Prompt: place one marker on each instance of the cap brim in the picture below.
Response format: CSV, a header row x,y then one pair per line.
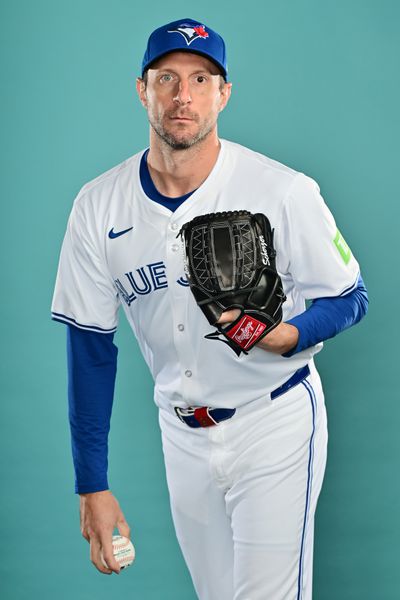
x,y
199,52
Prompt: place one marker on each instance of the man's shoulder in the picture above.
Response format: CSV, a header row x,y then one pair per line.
x,y
109,190
108,178
260,161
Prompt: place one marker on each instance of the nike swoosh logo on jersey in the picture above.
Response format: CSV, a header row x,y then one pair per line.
x,y
114,234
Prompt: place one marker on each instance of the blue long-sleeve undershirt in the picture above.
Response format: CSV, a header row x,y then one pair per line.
x,y
326,317
92,365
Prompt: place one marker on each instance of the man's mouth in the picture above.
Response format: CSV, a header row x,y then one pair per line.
x,y
184,117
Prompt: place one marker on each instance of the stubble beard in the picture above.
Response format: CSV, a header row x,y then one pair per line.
x,y
184,141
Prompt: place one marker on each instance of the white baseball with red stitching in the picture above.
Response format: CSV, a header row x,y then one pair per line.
x,y
123,550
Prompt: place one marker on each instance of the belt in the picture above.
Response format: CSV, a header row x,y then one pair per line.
x,y
206,416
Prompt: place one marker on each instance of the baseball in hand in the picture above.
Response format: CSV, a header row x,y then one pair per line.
x,y
123,550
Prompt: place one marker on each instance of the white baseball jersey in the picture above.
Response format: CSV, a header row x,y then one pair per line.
x,y
122,248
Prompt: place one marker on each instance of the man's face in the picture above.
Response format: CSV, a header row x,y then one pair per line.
x,y
183,97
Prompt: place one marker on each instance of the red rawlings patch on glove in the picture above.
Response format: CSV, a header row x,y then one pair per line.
x,y
246,332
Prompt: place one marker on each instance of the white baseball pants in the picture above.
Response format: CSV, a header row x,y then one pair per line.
x,y
244,492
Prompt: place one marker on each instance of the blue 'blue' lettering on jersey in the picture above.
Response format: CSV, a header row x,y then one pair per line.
x,y
144,280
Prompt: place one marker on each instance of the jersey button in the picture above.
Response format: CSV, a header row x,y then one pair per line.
x,y
188,373
181,327
174,247
174,226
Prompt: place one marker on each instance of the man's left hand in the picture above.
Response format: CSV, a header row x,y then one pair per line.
x,y
280,340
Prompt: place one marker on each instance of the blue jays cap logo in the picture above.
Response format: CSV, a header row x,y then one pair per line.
x,y
190,32
192,36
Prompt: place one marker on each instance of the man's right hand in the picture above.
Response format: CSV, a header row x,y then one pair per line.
x,y
100,513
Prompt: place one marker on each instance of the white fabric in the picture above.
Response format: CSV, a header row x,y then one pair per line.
x,y
143,269
243,496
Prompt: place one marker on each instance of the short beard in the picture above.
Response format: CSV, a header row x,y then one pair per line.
x,y
181,144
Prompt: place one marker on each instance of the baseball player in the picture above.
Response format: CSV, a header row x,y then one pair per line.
x,y
244,435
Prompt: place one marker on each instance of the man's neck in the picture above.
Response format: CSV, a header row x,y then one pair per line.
x,y
178,172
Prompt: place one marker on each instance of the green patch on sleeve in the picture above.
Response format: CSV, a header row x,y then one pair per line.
x,y
342,247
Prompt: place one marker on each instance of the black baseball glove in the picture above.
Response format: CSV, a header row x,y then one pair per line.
x,y
230,263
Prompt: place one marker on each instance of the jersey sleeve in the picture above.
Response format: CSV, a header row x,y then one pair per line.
x,y
84,295
319,261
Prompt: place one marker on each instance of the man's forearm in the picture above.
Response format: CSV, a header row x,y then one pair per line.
x,y
326,317
92,365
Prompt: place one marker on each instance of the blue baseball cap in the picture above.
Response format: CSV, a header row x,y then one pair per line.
x,y
186,35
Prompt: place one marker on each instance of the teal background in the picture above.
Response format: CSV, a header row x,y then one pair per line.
x,y
316,86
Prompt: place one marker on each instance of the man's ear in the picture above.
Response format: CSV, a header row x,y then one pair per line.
x,y
141,91
225,95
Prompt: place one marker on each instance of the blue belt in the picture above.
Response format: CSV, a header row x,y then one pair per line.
x,y
205,416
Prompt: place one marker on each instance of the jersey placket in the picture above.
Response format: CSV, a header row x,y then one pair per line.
x,y
178,291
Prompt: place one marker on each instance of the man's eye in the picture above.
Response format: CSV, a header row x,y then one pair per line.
x,y
200,79
166,78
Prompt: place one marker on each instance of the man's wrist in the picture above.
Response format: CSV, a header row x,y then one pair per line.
x,y
97,493
292,338
280,340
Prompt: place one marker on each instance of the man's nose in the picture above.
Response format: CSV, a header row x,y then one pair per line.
x,y
183,93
